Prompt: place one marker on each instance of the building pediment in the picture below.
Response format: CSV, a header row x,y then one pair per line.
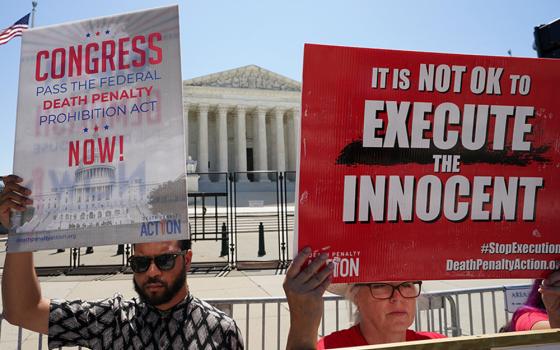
x,y
247,77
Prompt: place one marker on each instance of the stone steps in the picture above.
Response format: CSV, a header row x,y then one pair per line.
x,y
246,223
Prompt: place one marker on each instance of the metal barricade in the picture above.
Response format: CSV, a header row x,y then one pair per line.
x,y
209,207
471,311
266,320
259,207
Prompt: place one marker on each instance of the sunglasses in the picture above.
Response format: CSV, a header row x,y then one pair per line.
x,y
164,262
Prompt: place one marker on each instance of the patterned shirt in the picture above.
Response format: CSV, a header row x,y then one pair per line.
x,y
115,323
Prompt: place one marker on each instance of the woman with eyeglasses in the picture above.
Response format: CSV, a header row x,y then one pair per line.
x,y
385,309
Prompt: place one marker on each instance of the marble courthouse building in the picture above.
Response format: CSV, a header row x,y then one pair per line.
x,y
241,120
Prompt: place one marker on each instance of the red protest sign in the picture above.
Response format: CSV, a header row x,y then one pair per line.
x,y
421,165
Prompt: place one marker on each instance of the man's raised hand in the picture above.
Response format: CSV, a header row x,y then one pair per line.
x,y
13,197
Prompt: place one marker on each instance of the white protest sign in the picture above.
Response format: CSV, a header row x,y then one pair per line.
x,y
516,296
99,134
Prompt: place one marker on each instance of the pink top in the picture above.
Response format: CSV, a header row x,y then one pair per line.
x,y
527,320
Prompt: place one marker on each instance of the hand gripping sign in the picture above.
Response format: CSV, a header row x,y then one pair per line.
x,y
99,135
429,166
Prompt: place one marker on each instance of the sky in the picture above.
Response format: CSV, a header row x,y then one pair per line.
x,y
218,35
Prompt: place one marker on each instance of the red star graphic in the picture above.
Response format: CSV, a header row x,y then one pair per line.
x,y
96,128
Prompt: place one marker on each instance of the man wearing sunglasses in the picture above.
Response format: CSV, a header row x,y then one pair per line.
x,y
385,309
165,316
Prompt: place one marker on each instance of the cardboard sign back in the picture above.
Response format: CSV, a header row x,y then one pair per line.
x,y
531,340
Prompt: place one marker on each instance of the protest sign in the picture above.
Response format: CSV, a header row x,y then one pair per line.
x,y
99,133
516,296
421,165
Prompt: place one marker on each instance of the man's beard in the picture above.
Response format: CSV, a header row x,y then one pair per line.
x,y
168,293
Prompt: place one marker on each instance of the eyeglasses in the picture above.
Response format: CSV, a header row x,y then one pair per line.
x,y
381,291
164,262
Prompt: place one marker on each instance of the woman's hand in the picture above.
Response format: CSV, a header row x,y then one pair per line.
x,y
304,288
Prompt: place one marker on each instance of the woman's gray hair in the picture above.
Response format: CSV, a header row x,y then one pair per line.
x,y
350,295
351,291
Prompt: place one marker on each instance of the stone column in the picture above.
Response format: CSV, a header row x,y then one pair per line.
x,y
280,146
186,129
222,141
203,141
261,158
241,144
294,143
